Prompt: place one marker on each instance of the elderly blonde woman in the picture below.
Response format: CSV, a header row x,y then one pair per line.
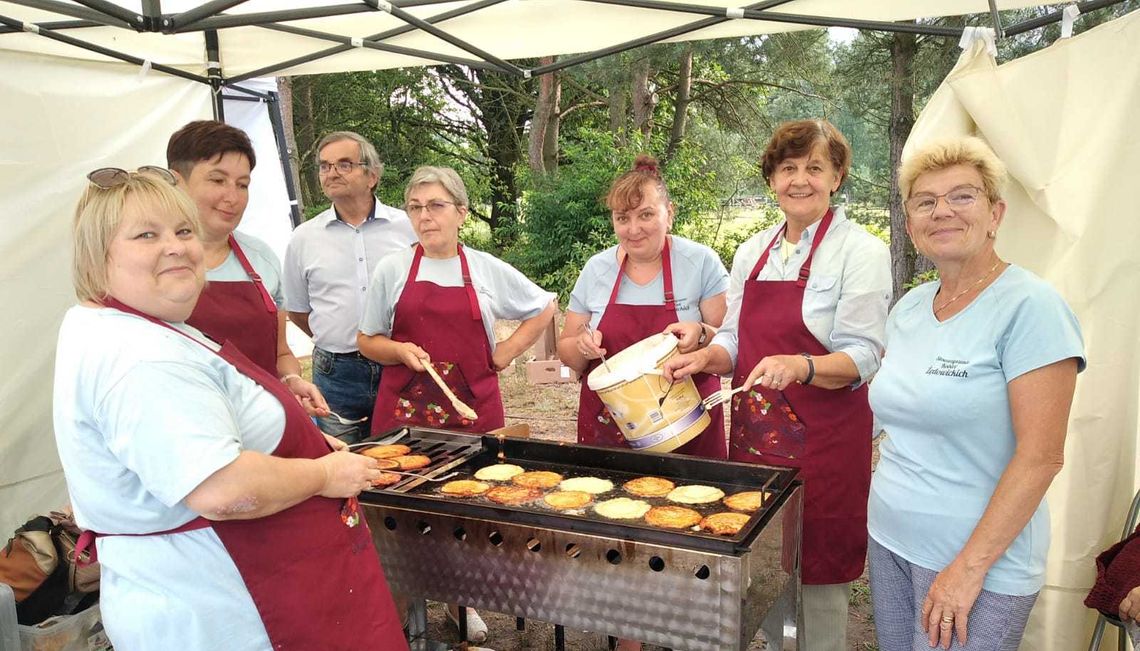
x,y
973,395
201,472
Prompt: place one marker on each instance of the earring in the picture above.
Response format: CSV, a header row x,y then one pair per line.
x,y
991,234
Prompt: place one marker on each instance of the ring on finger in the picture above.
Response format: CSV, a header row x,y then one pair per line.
x,y
947,620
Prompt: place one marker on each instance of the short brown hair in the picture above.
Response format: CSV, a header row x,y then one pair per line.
x,y
625,192
98,216
798,137
206,140
948,152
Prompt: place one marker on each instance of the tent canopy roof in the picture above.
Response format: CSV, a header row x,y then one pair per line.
x,y
292,37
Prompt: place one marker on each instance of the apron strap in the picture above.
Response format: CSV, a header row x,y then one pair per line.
x,y
270,306
666,277
805,269
85,552
468,286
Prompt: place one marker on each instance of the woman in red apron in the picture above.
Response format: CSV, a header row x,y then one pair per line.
x,y
278,515
806,320
690,301
433,305
213,162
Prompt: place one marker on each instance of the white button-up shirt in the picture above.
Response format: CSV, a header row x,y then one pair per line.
x,y
328,265
847,295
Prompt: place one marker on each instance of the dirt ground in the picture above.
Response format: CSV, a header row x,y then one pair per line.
x,y
550,410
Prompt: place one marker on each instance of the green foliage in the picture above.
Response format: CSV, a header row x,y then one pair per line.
x,y
922,278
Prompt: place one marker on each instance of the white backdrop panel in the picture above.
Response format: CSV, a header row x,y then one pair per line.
x,y
62,118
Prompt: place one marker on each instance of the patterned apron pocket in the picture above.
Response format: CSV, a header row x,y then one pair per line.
x,y
765,424
422,402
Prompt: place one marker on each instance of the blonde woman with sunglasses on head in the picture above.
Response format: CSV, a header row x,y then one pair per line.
x,y
223,518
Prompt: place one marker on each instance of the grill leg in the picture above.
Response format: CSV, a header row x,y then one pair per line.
x,y
417,621
520,624
462,623
559,638
611,641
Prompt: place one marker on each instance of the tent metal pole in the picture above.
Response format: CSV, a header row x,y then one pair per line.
x,y
996,17
278,122
346,41
250,94
99,49
646,40
214,73
284,65
57,25
152,14
262,17
136,21
191,16
1048,19
74,11
423,25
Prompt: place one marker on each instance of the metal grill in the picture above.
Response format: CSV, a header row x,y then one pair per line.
x,y
680,589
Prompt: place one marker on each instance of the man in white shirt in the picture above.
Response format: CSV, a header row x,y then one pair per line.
x,y
326,271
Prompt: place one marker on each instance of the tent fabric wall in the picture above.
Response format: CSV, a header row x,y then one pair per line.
x,y
1063,121
62,118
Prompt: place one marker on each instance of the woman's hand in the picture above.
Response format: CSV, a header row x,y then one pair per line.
x,y
589,344
308,395
689,335
347,473
946,609
501,358
679,367
336,444
412,356
778,371
1130,606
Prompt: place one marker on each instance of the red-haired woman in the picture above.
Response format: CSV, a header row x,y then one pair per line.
x,y
650,282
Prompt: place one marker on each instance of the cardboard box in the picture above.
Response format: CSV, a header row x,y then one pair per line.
x,y
547,345
549,371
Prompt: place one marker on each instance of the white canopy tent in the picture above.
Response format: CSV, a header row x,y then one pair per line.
x,y
67,108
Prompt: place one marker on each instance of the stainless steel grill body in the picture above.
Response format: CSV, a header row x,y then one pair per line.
x,y
674,589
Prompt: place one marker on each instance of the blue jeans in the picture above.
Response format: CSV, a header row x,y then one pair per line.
x,y
349,382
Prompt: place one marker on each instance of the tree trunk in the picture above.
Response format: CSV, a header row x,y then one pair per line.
x,y
903,256
617,110
285,97
543,112
642,98
550,140
303,122
681,104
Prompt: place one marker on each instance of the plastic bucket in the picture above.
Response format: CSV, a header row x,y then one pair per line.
x,y
651,413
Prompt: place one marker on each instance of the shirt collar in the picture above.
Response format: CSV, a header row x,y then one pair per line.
x,y
809,233
335,216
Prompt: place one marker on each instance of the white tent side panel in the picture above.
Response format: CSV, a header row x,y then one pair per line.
x,y
62,118
1062,120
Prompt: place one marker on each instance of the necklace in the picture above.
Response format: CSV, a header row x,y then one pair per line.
x,y
968,289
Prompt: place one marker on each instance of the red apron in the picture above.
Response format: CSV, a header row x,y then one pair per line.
x,y
624,325
312,569
825,433
240,312
445,322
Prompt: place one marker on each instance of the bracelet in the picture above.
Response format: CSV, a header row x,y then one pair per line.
x,y
811,369
289,376
704,336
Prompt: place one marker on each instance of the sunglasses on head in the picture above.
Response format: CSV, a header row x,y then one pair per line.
x,y
111,177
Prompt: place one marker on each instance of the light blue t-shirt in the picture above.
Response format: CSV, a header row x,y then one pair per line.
x,y
698,274
263,260
941,395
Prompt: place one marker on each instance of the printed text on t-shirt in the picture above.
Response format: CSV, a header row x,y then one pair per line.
x,y
948,367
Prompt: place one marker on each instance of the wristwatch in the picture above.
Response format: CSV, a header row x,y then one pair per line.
x,y
704,336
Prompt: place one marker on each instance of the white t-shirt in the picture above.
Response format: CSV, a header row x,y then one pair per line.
x,y
263,260
503,291
142,416
846,298
943,400
698,274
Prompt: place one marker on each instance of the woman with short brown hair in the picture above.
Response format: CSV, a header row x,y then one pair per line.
x,y
807,305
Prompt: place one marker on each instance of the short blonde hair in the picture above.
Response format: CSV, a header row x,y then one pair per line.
x,y
98,217
444,176
948,152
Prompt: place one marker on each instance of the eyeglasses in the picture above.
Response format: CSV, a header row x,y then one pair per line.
x,y
432,207
106,178
342,166
960,198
